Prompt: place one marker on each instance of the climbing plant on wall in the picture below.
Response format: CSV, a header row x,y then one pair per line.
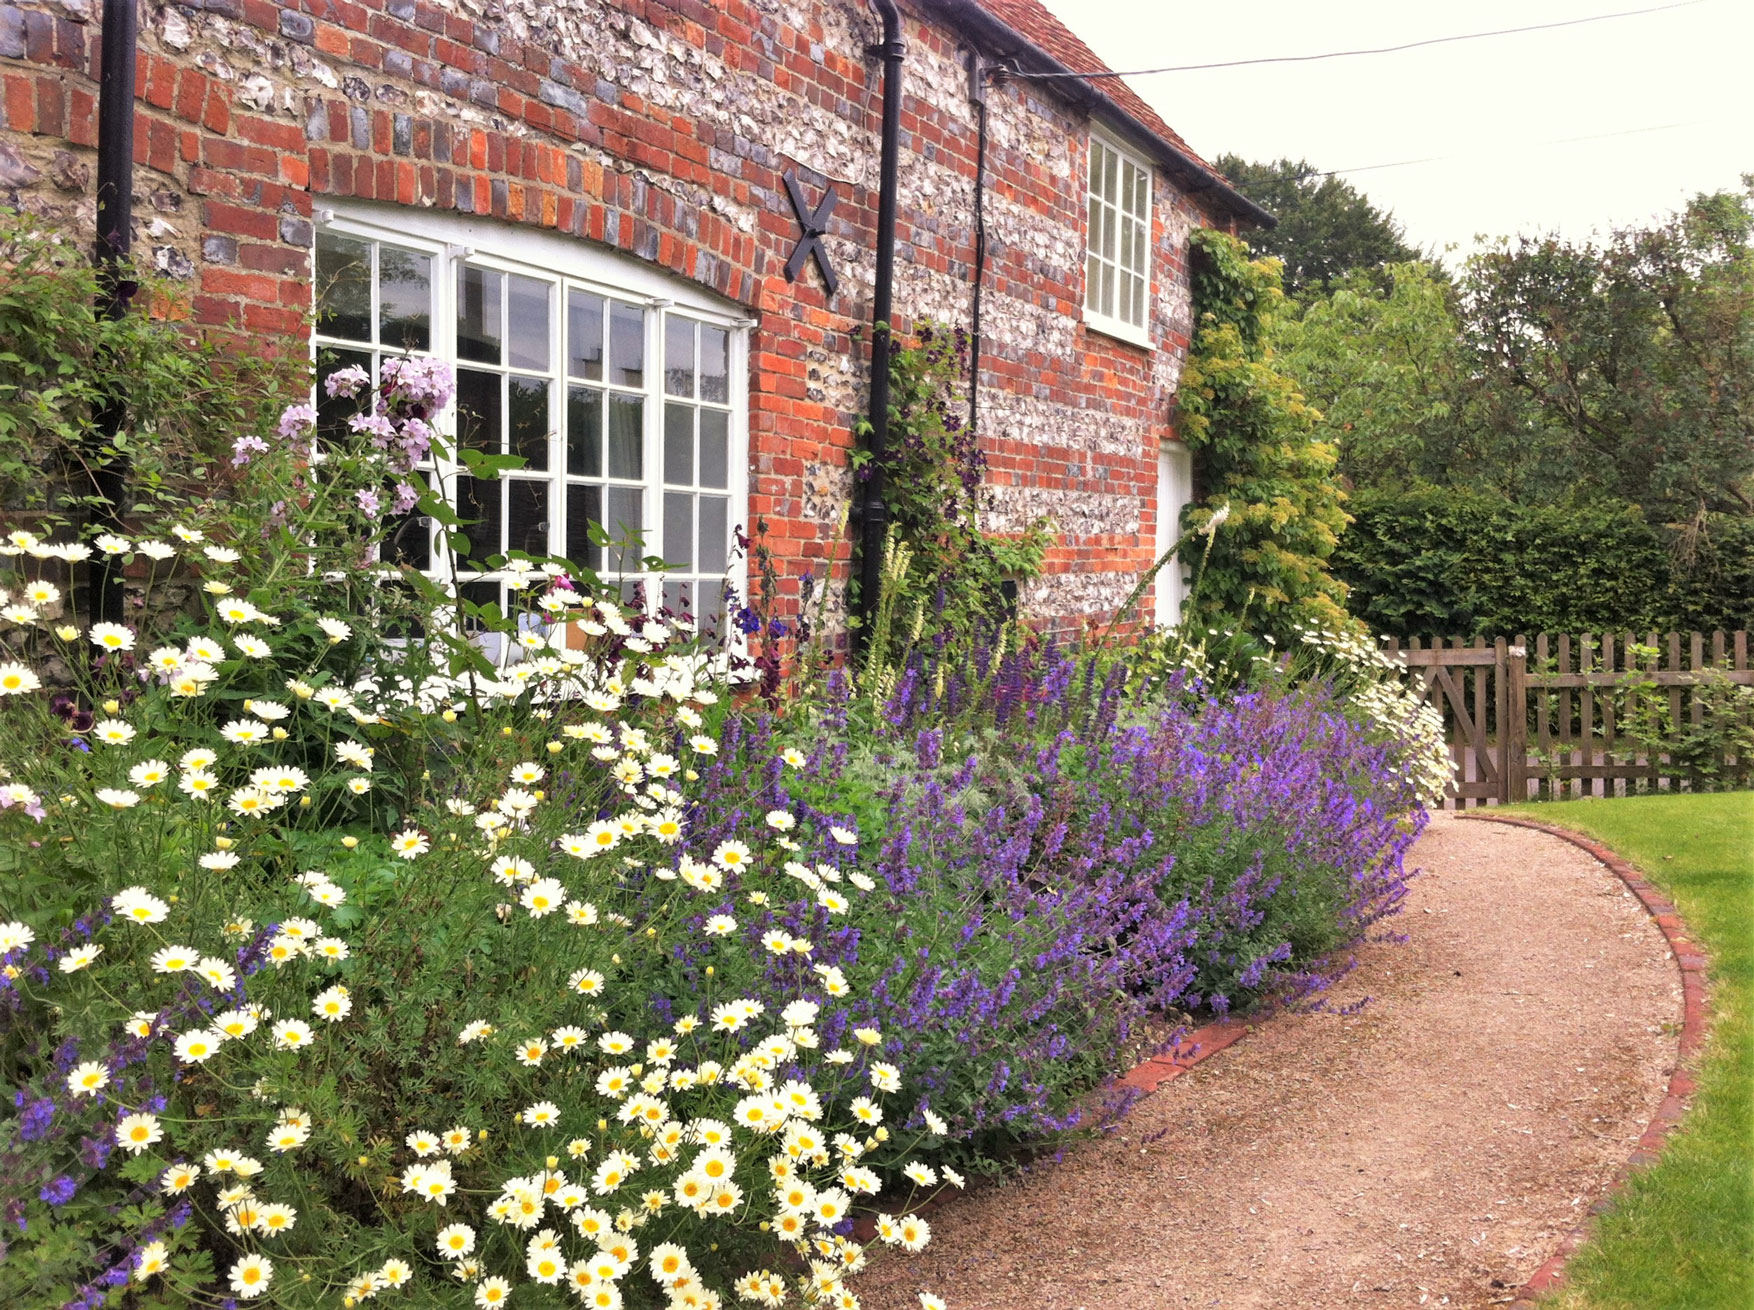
x,y
1257,452
934,478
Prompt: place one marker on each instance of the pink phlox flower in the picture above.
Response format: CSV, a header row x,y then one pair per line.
x,y
245,448
347,381
367,499
406,498
295,419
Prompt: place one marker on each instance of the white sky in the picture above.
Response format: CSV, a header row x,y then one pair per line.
x,y
1504,113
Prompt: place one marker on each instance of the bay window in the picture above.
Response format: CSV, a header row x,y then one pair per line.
x,y
620,389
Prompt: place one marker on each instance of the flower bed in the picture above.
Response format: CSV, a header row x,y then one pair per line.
x,y
340,964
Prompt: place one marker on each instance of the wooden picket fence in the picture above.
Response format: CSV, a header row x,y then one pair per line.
x,y
1538,720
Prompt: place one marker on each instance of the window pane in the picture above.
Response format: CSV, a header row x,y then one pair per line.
x,y
584,506
1093,281
527,515
527,323
679,444
408,540
715,448
1126,245
678,356
478,411
1139,302
714,534
715,364
625,526
527,399
478,505
677,595
1108,233
344,287
404,299
1108,289
678,528
626,435
480,592
627,345
1141,192
478,314
1096,153
709,605
584,335
1110,166
1093,233
584,432
334,411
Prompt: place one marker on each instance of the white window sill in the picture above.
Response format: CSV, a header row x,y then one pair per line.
x,y
1119,330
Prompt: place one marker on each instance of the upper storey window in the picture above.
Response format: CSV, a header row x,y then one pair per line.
x,y
1117,266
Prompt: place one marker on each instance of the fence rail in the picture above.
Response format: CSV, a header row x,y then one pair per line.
x,y
1602,714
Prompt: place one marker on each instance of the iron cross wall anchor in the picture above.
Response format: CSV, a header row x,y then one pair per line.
x,y
813,224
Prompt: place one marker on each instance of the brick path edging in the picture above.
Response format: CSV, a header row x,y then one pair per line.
x,y
1690,958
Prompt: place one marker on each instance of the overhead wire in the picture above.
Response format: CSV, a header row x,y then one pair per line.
x,y
1348,54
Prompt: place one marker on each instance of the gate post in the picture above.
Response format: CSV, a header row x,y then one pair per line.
x,y
1513,771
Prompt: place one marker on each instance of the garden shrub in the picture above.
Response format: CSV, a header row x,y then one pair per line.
x,y
340,962
1438,562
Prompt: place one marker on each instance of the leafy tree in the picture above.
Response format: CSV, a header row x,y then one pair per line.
x,y
1630,363
1387,370
1258,452
1327,227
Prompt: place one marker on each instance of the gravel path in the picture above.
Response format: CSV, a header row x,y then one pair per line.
x,y
1430,1150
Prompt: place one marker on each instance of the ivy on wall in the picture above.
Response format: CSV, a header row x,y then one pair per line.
x,y
1257,452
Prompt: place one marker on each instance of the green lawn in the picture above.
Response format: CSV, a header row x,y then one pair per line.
x,y
1682,1235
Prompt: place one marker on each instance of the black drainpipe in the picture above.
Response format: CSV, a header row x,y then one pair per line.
x,y
977,89
115,214
874,514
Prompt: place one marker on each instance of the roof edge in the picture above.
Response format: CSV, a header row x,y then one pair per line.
x,y
1196,175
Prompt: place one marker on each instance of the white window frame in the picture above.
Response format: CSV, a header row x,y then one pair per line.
x,y
564,262
1097,207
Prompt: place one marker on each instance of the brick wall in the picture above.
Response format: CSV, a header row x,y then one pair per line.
x,y
660,128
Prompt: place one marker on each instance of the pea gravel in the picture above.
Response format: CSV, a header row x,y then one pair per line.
x,y
1430,1150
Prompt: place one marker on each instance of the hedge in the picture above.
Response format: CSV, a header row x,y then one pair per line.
x,y
1445,563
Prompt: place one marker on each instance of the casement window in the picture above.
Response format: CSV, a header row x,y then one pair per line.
x,y
1117,263
622,391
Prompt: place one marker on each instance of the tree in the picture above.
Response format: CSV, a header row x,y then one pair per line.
x,y
1327,227
1632,362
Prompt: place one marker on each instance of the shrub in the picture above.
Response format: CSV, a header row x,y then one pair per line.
x,y
1443,563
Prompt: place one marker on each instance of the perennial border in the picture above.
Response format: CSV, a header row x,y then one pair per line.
x,y
1690,957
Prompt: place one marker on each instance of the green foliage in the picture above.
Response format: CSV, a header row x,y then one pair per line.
x,y
185,397
1387,370
1629,365
1442,562
951,586
1327,227
1258,453
1681,1234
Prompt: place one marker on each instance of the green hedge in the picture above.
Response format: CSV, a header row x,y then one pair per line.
x,y
1443,563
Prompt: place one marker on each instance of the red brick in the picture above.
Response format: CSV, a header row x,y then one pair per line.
x,y
236,221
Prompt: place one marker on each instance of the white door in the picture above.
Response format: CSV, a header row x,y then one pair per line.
x,y
1175,487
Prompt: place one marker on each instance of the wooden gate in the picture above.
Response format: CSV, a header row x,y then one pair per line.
x,y
1469,684
1538,720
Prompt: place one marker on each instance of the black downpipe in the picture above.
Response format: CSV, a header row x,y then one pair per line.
x,y
115,222
873,512
977,76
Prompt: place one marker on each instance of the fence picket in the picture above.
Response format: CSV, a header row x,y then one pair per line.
x,y
1564,756
1609,669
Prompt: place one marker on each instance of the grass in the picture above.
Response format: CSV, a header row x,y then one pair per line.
x,y
1682,1234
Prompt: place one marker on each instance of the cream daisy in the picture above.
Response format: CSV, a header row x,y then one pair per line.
x,y
17,680
111,637
410,844
136,1132
250,1276
80,957
87,1078
138,905
117,798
